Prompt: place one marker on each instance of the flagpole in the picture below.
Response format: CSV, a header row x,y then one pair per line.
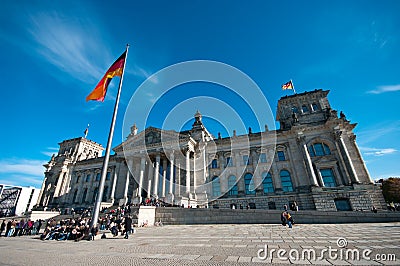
x,y
96,209
294,91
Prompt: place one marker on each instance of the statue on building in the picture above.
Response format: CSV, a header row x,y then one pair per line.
x,y
342,116
295,118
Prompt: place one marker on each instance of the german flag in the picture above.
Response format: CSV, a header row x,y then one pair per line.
x,y
115,69
288,85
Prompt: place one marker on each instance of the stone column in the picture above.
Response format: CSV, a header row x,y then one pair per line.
x,y
319,177
42,192
141,176
346,157
302,141
337,176
171,174
204,166
129,163
342,165
114,184
178,180
195,174
276,177
150,178
156,176
188,171
239,174
164,177
353,142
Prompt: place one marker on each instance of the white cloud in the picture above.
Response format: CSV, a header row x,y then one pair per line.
x,y
50,151
377,152
22,167
378,131
21,180
383,89
68,43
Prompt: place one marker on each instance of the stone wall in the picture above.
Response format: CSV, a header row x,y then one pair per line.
x,y
304,201
176,216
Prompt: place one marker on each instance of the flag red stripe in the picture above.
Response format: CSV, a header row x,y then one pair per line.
x,y
116,69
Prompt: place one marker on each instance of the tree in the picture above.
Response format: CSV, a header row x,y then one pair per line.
x,y
391,189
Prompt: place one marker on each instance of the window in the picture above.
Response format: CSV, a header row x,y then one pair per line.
x,y
75,195
105,192
281,156
108,175
84,195
304,108
87,178
249,184
214,164
96,190
343,204
246,160
232,185
229,161
216,187
263,158
314,107
319,149
77,178
295,110
98,177
286,181
267,183
328,177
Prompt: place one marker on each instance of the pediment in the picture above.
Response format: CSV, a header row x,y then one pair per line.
x,y
152,136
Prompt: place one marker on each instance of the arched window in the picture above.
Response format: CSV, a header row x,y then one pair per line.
x,y
304,108
295,109
105,192
75,195
286,181
216,187
108,175
96,190
84,195
87,178
319,149
267,183
314,107
214,164
232,185
249,184
98,177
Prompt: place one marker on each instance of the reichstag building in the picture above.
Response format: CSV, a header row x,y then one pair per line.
x,y
312,159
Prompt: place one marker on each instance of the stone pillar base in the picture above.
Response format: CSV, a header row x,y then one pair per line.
x,y
169,199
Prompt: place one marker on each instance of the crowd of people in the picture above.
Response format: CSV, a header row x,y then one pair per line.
x,y
118,221
78,227
15,227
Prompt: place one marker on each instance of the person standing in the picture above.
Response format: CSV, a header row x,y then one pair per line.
x,y
2,227
128,226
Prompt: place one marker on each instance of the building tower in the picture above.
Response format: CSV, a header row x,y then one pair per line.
x,y
56,182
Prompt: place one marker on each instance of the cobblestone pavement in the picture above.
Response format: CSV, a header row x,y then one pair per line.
x,y
376,244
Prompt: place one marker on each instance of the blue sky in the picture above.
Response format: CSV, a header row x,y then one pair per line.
x,y
54,53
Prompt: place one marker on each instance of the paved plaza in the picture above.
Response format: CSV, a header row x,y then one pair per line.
x,y
361,244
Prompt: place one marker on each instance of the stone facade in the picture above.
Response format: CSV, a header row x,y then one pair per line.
x,y
313,160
